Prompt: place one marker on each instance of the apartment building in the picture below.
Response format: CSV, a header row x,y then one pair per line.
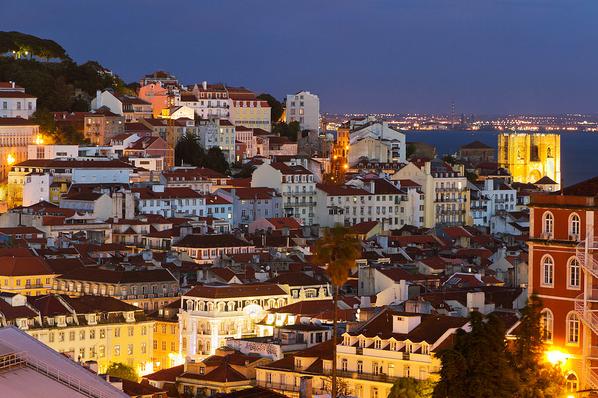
x,y
295,183
303,107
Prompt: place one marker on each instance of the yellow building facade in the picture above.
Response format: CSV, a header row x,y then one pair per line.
x,y
531,156
166,344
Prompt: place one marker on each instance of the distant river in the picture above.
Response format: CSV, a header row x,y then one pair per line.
x,y
579,151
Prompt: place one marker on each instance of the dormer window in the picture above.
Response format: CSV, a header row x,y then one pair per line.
x,y
91,319
130,316
425,349
297,363
377,344
408,347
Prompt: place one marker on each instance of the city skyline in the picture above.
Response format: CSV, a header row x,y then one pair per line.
x,y
493,57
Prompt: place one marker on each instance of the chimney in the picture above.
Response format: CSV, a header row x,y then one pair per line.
x,y
12,84
404,324
475,301
204,84
98,99
305,387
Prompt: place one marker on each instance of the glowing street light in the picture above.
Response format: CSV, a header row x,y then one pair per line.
x,y
39,140
556,357
10,159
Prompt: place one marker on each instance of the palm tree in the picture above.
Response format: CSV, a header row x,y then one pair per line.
x,y
337,250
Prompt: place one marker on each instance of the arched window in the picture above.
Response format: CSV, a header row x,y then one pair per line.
x,y
572,382
547,324
573,274
574,226
547,271
572,328
547,224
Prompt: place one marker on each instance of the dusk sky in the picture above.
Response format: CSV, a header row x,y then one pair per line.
x,y
524,56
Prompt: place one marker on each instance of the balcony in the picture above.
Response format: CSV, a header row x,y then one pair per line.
x,y
587,309
381,377
585,255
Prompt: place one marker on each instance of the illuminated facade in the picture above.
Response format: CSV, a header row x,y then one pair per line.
x,y
87,328
531,156
15,135
211,314
563,272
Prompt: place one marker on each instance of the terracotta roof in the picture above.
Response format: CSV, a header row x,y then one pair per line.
x,y
284,222
211,241
134,389
456,232
260,193
15,94
364,227
109,276
16,121
341,190
545,181
189,173
305,307
295,279
169,374
20,231
216,200
226,291
289,170
253,392
430,330
23,266
11,313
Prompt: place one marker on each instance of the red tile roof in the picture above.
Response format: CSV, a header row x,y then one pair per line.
x,y
23,266
229,291
284,222
211,241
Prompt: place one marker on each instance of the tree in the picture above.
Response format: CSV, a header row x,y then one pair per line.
x,y
337,250
408,387
538,378
343,390
411,149
291,130
478,365
122,371
215,160
188,151
276,107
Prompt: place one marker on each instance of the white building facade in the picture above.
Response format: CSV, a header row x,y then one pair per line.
x,y
303,107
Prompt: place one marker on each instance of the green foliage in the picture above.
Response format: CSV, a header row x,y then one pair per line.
x,y
58,86
189,151
408,387
538,377
59,135
337,250
276,106
122,371
215,160
34,46
478,365
410,150
291,130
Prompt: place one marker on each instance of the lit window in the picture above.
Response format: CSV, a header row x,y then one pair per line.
x,y
547,324
548,224
574,226
573,274
572,328
547,271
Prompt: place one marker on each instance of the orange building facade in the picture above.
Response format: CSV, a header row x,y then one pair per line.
x,y
563,272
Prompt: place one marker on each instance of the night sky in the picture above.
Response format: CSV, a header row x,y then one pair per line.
x,y
490,57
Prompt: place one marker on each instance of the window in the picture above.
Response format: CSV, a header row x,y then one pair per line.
x,y
116,350
360,367
130,349
547,271
547,225
571,383
572,328
547,324
574,227
117,332
344,364
573,274
377,344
